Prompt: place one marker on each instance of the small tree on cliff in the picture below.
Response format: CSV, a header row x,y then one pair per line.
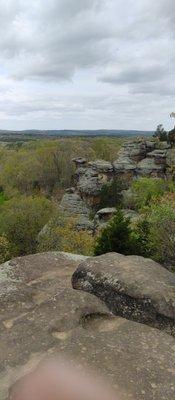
x,y
111,194
160,133
171,137
117,236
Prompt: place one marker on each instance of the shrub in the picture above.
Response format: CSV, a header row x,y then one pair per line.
x,y
110,194
106,148
156,233
162,233
62,235
117,236
145,190
141,230
5,249
21,219
3,198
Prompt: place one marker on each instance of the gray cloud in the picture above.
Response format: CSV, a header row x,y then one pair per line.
x,y
87,62
136,75
51,39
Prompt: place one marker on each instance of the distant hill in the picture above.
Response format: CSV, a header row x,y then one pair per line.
x,y
8,135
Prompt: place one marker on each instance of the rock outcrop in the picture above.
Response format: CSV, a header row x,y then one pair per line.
x,y
72,204
140,158
132,287
137,158
104,215
91,179
148,167
41,315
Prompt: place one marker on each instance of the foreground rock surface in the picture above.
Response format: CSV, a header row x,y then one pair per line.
x,y
132,287
42,315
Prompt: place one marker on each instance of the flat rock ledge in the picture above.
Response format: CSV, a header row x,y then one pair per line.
x,y
132,287
41,315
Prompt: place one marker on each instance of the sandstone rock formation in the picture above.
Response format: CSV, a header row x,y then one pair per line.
x,y
41,315
137,158
73,205
132,287
91,179
104,215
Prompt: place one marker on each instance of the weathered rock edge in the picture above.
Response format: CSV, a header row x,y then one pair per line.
x,y
132,287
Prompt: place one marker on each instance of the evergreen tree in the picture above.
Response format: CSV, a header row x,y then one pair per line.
x,y
116,237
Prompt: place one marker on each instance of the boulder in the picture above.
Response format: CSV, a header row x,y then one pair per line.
x,y
72,204
132,287
89,185
103,216
123,164
137,360
135,150
40,308
150,145
83,223
47,270
45,316
91,179
80,162
148,167
159,156
101,166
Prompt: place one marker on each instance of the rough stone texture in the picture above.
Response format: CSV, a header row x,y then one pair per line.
x,y
72,203
85,224
148,167
159,156
80,161
123,164
136,359
44,315
103,217
89,184
141,158
170,160
91,179
104,214
136,158
133,287
101,166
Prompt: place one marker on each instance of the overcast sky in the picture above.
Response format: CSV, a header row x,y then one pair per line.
x,y
87,64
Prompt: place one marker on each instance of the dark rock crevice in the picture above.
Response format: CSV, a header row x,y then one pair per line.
x,y
132,309
118,292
